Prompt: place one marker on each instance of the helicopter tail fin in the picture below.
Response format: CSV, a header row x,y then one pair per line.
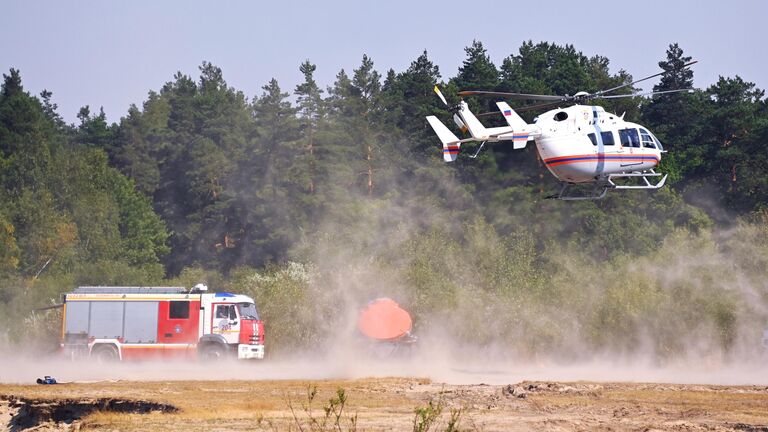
x,y
450,142
512,118
521,131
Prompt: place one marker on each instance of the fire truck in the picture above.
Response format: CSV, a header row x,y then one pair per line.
x,y
122,323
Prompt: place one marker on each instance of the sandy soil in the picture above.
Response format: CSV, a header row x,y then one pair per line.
x,y
483,395
382,404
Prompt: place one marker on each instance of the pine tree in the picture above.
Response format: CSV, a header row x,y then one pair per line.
x,y
279,178
310,107
478,71
676,75
674,118
366,86
731,140
669,114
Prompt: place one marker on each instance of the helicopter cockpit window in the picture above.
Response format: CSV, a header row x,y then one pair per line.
x,y
658,143
592,138
607,138
646,139
562,115
629,137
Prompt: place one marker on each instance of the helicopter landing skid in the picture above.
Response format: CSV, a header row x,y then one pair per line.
x,y
645,175
600,189
598,192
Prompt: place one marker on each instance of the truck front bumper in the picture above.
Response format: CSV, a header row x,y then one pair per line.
x,y
250,351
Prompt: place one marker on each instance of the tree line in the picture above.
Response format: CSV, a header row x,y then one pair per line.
x,y
203,180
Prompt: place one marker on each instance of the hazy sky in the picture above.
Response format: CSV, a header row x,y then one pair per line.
x,y
110,54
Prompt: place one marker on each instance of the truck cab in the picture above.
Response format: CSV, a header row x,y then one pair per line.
x,y
231,320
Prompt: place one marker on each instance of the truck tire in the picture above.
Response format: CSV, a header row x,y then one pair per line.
x,y
105,353
213,352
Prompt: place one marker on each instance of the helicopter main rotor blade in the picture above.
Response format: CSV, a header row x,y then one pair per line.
x,y
513,95
487,114
523,108
602,92
646,94
533,107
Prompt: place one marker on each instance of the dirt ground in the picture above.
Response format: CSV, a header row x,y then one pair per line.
x,y
381,404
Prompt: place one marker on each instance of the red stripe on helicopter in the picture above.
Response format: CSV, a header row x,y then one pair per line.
x,y
597,155
520,137
566,160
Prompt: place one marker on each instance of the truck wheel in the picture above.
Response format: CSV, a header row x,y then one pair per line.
x,y
212,352
105,354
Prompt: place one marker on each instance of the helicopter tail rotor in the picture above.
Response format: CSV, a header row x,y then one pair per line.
x,y
453,109
440,95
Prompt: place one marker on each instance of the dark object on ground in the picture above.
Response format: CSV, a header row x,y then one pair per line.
x,y
47,380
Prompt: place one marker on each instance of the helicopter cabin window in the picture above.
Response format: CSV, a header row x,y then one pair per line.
x,y
646,139
562,115
629,137
607,138
592,138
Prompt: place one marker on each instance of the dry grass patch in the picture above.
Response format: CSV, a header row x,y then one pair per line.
x,y
390,404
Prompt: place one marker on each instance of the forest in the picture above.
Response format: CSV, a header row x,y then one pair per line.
x,y
316,200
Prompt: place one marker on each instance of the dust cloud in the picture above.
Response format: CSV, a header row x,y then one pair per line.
x,y
24,370
487,308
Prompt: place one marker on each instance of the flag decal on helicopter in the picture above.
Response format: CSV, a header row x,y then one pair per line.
x,y
507,113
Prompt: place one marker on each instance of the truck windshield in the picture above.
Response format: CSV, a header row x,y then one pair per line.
x,y
248,311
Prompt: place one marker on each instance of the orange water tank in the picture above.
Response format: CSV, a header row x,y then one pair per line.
x,y
384,319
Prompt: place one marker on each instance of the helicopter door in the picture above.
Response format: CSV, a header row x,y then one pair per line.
x,y
630,140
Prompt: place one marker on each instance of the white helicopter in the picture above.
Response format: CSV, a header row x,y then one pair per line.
x,y
580,144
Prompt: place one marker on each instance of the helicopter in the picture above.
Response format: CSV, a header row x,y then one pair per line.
x,y
579,144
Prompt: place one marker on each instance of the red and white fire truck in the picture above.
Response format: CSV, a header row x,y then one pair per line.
x,y
111,323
